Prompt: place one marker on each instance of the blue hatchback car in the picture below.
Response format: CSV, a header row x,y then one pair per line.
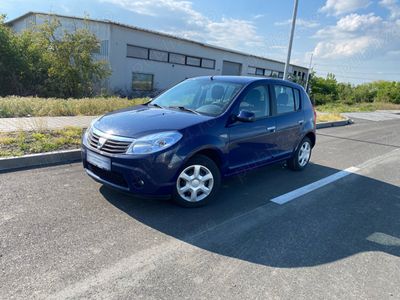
x,y
185,141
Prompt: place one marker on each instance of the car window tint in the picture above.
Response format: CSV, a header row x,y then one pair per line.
x,y
284,99
257,101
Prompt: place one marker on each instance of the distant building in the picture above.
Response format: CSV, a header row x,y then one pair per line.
x,y
144,60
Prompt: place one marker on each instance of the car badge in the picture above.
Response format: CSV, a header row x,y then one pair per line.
x,y
101,142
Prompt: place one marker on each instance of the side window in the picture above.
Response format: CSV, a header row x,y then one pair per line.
x,y
284,99
297,104
257,101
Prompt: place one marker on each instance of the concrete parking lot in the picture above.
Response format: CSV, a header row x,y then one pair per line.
x,y
64,236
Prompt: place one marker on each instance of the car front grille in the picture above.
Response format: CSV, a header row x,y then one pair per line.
x,y
111,145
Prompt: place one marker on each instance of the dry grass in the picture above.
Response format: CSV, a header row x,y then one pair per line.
x,y
328,117
338,107
28,142
38,107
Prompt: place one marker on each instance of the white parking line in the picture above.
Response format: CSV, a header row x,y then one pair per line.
x,y
313,186
334,177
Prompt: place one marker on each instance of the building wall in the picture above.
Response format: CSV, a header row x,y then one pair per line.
x,y
167,74
114,41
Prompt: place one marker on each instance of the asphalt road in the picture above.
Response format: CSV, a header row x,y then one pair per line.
x,y
64,236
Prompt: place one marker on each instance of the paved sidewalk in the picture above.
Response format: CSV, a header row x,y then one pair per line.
x,y
43,123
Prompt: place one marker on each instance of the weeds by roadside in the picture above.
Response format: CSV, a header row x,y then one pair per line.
x,y
27,142
38,107
338,107
329,117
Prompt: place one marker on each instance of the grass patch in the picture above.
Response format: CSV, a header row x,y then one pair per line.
x,y
39,107
339,107
329,117
27,142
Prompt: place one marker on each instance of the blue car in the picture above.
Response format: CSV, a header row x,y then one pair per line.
x,y
204,129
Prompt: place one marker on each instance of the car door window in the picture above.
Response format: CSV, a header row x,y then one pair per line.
x,y
284,99
256,100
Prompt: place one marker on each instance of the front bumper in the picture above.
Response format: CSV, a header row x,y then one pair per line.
x,y
151,175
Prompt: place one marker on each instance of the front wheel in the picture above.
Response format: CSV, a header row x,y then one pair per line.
x,y
301,156
198,182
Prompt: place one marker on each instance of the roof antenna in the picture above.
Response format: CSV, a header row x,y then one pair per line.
x,y
212,77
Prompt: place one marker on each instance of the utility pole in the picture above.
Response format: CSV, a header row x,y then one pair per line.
x,y
309,72
285,74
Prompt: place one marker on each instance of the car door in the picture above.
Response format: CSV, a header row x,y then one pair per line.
x,y
288,116
252,143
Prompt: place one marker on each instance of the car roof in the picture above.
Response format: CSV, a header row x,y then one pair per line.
x,y
249,79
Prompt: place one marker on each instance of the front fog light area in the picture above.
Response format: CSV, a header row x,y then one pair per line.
x,y
154,142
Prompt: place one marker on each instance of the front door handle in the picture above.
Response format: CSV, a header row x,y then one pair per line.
x,y
301,122
271,129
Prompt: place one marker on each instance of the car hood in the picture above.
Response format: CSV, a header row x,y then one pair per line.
x,y
141,120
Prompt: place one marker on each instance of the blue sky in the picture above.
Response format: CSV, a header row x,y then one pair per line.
x,y
358,40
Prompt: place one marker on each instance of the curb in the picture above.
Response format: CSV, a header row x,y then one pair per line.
x,y
334,124
39,160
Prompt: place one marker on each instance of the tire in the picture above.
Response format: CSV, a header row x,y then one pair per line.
x,y
297,163
190,190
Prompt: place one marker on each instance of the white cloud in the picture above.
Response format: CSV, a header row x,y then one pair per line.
x,y
356,34
354,22
225,32
339,7
344,48
393,6
300,23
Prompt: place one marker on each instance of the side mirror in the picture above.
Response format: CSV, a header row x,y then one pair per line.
x,y
246,116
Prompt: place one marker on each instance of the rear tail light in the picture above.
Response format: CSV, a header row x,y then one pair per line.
x,y
315,117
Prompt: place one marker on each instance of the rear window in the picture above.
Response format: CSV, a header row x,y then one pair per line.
x,y
285,99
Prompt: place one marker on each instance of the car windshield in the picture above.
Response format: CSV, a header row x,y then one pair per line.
x,y
203,96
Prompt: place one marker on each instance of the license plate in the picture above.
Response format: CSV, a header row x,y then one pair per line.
x,y
98,161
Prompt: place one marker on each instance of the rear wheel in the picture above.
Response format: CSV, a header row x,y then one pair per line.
x,y
198,182
301,156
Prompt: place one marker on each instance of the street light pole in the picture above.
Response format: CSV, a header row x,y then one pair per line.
x,y
309,71
285,74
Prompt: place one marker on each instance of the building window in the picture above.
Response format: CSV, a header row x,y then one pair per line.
x,y
175,58
268,73
251,70
275,74
142,82
280,75
158,55
207,63
193,61
137,52
260,71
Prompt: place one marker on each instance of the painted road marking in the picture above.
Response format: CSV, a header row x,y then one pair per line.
x,y
332,178
313,186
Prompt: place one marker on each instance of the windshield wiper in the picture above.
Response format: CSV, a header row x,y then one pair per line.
x,y
155,105
185,109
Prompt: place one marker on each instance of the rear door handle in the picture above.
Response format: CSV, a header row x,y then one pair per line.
x,y
301,122
271,129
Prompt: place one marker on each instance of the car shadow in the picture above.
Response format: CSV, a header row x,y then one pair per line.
x,y
327,225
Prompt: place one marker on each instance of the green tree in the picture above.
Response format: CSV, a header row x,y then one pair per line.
x,y
72,69
48,61
12,64
323,90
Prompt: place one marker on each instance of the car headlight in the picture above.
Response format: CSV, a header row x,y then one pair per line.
x,y
154,142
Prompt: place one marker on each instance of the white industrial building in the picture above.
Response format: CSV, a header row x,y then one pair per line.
x,y
144,60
